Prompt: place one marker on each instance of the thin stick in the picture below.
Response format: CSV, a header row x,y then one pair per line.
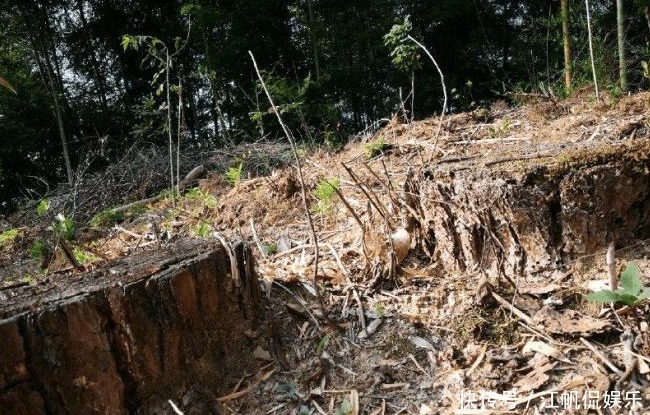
x,y
610,260
257,240
174,407
442,81
303,191
601,356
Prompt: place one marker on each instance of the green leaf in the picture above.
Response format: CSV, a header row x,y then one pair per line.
x,y
630,283
645,294
627,299
605,296
129,41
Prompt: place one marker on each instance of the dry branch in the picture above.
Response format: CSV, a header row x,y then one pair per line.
x,y
303,191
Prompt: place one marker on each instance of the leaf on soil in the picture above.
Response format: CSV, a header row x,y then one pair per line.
x,y
546,350
262,354
536,378
538,289
569,322
425,410
422,343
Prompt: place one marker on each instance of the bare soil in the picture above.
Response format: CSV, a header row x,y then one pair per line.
x,y
483,313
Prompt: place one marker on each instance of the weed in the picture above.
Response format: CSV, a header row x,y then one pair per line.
x,y
166,194
345,408
7,237
37,249
233,174
43,207
108,217
197,194
287,390
374,148
83,257
325,193
380,309
630,292
305,410
322,344
64,227
270,249
201,229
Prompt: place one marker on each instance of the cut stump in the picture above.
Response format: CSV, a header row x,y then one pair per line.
x,y
129,337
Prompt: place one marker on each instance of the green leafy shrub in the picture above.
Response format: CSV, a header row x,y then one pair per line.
x,y
374,148
64,227
630,291
37,249
43,207
270,249
325,193
201,229
197,194
233,174
83,257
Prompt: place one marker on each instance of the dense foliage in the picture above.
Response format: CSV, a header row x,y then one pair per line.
x,y
83,96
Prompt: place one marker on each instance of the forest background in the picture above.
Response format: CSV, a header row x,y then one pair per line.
x,y
89,82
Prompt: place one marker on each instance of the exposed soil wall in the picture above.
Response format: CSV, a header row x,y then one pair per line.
x,y
531,215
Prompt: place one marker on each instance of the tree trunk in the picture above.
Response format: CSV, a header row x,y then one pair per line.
x,y
99,79
50,73
620,30
314,39
566,41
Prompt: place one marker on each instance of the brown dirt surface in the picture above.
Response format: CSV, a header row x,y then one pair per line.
x,y
412,336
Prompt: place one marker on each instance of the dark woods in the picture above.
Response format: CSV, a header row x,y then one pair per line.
x,y
86,95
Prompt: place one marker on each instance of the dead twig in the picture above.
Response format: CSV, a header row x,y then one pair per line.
x,y
303,191
601,356
523,316
257,240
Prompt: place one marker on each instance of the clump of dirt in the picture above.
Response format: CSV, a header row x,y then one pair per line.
x,y
499,318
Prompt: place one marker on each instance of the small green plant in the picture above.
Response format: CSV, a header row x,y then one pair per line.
x,y
345,408
630,291
374,148
64,227
380,309
325,193
37,249
270,249
305,410
197,194
83,257
322,343
7,237
43,207
288,390
107,217
201,229
166,194
505,126
233,174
